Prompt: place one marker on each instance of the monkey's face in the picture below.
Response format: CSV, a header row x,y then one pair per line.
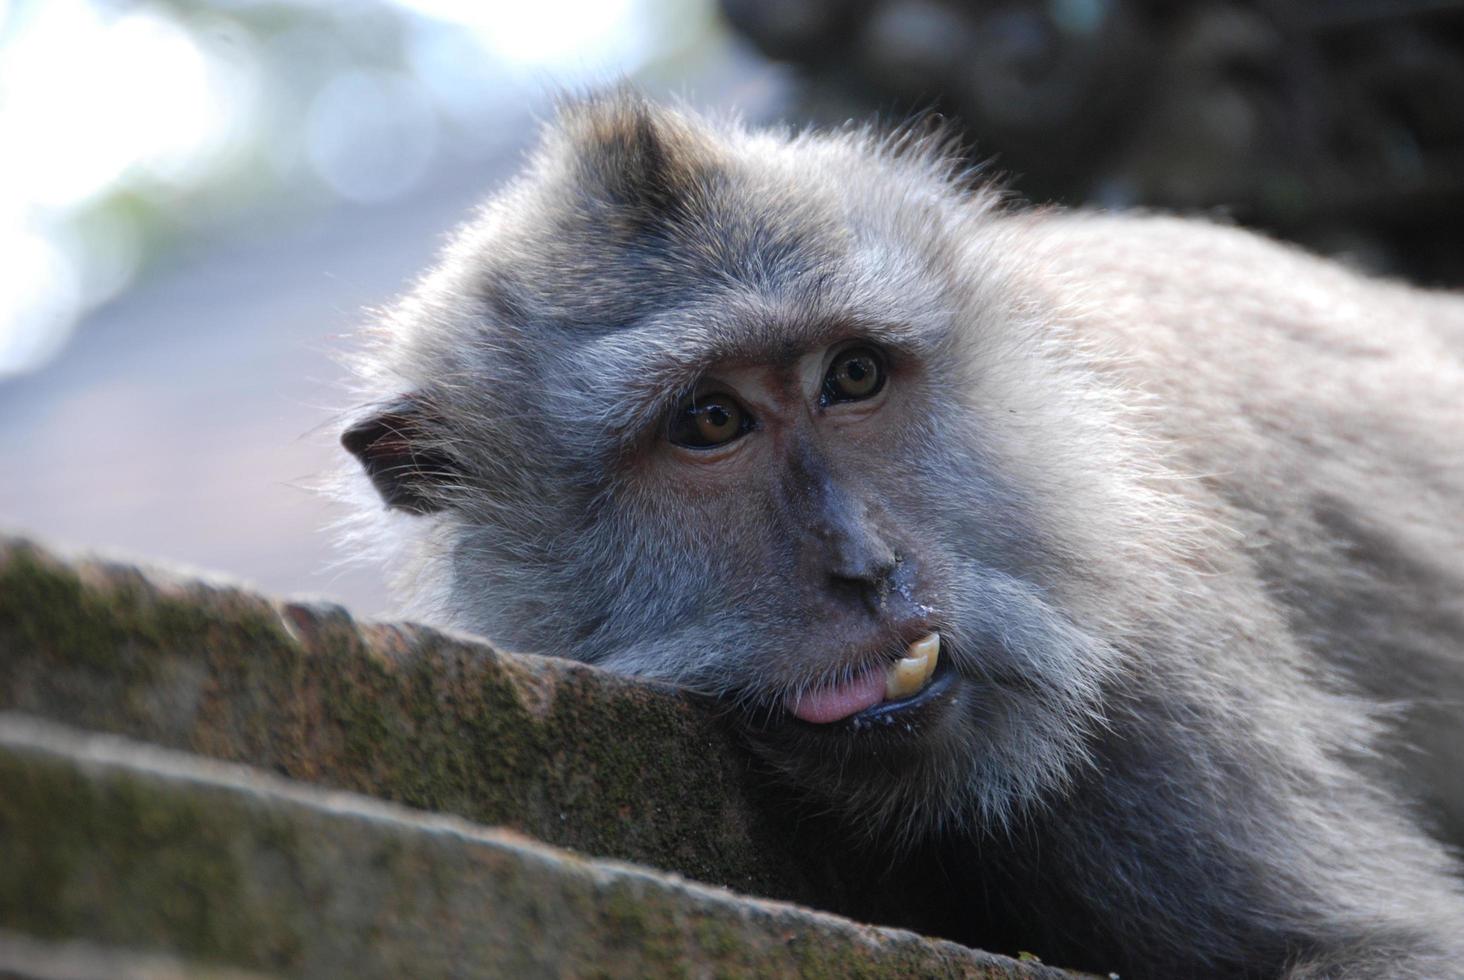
x,y
750,434
794,456
822,542
834,585
822,539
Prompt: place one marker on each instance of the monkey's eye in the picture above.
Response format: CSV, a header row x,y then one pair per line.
x,y
856,373
708,421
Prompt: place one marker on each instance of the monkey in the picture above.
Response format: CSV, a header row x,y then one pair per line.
x,y
1111,562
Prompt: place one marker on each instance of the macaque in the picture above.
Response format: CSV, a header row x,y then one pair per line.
x,y
1117,558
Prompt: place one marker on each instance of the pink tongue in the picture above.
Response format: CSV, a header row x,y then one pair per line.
x,y
832,703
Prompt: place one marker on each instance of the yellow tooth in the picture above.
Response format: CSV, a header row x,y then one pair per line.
x,y
926,648
904,678
909,674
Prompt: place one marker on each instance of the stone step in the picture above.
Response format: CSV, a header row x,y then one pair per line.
x,y
561,751
119,858
555,750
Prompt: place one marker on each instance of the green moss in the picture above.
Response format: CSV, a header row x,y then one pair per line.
x,y
600,764
170,858
70,843
44,608
716,938
660,792
103,651
644,924
625,920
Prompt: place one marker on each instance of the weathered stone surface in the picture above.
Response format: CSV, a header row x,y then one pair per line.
x,y
556,750
73,959
560,751
147,849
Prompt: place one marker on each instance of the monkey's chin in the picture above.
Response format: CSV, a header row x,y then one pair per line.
x,y
893,770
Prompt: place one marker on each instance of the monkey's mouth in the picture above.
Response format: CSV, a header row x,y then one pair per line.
x,y
875,696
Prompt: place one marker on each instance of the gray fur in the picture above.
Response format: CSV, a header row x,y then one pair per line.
x,y
1183,502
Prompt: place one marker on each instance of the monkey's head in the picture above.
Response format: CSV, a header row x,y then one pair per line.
x,y
767,417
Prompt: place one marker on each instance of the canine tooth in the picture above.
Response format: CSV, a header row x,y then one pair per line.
x,y
909,674
904,678
928,649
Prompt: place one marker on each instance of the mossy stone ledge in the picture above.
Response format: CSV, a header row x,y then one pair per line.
x,y
197,673
135,846
561,751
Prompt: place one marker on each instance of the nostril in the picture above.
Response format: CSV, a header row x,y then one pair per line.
x,y
870,581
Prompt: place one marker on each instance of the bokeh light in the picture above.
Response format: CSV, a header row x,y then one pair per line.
x,y
127,126
370,134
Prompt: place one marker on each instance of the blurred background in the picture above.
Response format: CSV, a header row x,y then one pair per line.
x,y
200,201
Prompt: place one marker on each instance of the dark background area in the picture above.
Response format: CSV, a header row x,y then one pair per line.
x,y
200,202
1336,123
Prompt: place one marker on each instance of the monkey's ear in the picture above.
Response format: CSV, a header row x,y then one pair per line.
x,y
398,455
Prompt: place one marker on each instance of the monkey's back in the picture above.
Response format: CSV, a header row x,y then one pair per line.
x,y
1322,413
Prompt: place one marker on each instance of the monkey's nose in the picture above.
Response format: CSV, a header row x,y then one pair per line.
x,y
868,575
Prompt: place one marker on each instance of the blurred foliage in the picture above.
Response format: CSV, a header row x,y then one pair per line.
x,y
1334,122
136,127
